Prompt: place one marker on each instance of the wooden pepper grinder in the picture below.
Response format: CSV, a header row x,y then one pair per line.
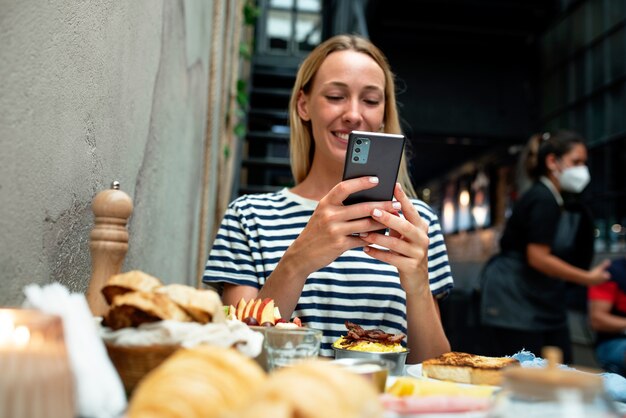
x,y
108,242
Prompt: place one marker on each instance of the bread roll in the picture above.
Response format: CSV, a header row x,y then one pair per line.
x,y
202,305
467,368
202,382
135,308
134,280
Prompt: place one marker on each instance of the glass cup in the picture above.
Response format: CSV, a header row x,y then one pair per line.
x,y
285,347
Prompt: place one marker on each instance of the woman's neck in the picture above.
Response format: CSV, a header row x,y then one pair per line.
x,y
320,180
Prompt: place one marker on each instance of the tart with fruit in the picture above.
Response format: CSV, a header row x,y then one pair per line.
x,y
259,312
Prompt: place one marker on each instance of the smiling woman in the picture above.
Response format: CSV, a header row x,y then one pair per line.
x,y
317,257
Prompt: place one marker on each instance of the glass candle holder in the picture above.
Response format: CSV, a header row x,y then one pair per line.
x,y
36,378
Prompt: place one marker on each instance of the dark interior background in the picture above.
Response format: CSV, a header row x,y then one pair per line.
x,y
467,74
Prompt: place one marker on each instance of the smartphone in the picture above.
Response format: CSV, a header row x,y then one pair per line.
x,y
373,154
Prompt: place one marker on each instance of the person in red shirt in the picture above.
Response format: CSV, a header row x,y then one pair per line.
x,y
607,315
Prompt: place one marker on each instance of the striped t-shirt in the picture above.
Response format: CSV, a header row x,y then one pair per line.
x,y
257,230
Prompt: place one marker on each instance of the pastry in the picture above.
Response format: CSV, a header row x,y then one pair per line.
x,y
202,305
467,368
134,280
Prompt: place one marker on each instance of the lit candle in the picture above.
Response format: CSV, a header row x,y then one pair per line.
x,y
36,377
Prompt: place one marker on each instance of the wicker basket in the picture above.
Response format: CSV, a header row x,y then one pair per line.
x,y
134,362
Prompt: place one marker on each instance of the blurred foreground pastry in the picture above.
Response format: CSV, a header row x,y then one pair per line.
x,y
201,382
314,389
213,382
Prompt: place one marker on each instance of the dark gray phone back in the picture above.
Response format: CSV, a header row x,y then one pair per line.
x,y
373,154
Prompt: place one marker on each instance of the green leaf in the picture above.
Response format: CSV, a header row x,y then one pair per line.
x,y
242,99
250,12
226,151
245,50
240,130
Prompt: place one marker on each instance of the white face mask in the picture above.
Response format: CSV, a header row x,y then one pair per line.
x,y
574,179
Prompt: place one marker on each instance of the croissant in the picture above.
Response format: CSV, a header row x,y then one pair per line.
x,y
314,389
201,382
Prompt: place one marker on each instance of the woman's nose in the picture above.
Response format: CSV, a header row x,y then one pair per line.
x,y
352,113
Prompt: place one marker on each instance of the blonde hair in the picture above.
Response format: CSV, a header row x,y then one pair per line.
x,y
302,146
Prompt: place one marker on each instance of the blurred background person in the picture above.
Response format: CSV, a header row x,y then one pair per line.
x,y
523,287
607,315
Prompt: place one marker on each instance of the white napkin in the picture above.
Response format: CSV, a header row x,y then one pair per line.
x,y
99,389
189,334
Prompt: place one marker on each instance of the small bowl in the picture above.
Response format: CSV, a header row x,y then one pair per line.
x,y
397,360
375,371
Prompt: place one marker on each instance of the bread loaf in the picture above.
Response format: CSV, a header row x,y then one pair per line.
x,y
202,305
135,308
467,368
131,281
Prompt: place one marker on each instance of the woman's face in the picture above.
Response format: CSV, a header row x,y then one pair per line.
x,y
347,93
574,157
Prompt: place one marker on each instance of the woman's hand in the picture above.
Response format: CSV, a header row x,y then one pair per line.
x,y
599,273
335,228
407,244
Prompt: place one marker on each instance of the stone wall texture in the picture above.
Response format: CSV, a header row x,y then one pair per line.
x,y
97,91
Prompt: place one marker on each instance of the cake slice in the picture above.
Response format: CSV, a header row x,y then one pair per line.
x,y
467,368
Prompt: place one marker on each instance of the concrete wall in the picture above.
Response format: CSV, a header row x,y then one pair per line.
x,y
93,92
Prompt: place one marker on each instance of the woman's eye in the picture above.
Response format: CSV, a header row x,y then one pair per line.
x,y
372,102
334,98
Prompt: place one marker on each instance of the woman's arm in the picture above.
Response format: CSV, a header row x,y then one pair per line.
x,y
602,320
540,258
332,230
408,252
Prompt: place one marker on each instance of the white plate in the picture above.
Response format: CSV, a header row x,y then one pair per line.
x,y
415,371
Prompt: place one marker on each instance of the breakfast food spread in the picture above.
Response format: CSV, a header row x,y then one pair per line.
x,y
467,368
374,340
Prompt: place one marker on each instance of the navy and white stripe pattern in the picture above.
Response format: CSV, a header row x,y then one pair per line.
x,y
258,229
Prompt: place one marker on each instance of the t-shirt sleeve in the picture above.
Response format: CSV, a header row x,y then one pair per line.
x,y
439,273
231,258
605,291
542,220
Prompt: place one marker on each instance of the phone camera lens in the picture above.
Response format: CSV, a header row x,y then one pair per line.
x,y
357,150
359,142
356,158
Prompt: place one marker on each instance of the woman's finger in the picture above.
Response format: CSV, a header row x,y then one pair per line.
x,y
408,210
342,190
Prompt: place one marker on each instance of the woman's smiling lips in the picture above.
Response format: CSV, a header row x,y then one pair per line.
x,y
342,136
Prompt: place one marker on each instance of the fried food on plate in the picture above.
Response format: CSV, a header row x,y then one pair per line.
x,y
467,368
